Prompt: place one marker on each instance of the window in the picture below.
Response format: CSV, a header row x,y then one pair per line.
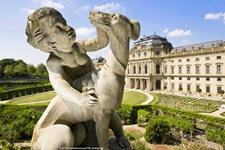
x,y
172,78
180,78
207,58
188,87
207,89
157,69
139,69
139,54
134,69
188,69
165,70
127,70
188,78
145,53
146,69
180,70
196,59
188,60
172,86
197,69
219,71
179,60
157,52
218,89
197,87
172,70
133,55
197,79
219,79
207,79
218,57
207,69
172,61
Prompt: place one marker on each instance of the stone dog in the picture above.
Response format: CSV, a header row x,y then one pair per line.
x,y
108,82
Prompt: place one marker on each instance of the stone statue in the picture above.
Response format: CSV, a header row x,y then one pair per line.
x,y
65,122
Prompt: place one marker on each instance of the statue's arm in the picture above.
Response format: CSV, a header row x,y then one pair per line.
x,y
64,89
93,44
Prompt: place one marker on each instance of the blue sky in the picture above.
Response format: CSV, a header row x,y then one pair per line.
x,y
182,22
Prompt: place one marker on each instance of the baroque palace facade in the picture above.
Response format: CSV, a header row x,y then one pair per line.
x,y
155,65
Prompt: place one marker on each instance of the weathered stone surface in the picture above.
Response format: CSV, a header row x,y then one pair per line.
x,y
93,94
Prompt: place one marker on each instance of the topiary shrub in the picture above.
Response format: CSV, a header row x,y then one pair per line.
x,y
158,131
143,117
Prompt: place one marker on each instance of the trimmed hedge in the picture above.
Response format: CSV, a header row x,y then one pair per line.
x,y
208,121
22,92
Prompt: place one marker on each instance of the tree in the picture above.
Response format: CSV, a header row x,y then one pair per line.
x,y
41,70
199,90
9,71
31,70
20,70
158,131
1,71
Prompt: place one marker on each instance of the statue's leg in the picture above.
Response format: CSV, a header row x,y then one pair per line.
x,y
55,137
52,113
117,128
102,119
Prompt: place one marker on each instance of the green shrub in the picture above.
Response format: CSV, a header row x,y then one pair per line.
x,y
17,122
158,131
125,113
4,145
143,117
217,136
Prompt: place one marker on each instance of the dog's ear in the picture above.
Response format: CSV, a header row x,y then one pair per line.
x,y
135,29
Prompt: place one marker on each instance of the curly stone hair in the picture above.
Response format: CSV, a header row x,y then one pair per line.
x,y
34,28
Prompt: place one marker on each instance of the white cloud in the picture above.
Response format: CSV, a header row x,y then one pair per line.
x,y
50,3
85,7
84,31
29,11
215,16
165,30
178,32
110,7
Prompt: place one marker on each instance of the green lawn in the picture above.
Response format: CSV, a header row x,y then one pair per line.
x,y
130,98
133,97
33,98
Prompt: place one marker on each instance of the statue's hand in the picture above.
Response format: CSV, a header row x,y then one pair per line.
x,y
88,99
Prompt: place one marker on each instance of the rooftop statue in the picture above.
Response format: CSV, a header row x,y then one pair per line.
x,y
83,93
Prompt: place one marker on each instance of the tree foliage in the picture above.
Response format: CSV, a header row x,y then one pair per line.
x,y
10,68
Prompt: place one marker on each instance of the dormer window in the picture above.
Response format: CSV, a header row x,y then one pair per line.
x,y
157,52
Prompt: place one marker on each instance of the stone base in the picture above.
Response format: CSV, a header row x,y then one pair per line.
x,y
113,145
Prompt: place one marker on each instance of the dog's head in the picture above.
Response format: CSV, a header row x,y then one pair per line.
x,y
120,24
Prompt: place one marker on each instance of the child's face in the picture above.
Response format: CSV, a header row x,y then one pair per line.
x,y
60,35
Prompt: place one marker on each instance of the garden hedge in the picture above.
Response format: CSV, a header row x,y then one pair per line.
x,y
22,92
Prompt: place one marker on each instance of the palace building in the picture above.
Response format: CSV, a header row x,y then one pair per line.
x,y
155,65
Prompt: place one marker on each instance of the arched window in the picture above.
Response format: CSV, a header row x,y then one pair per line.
x,y
145,53
188,69
197,70
219,69
157,69
219,79
207,79
188,78
139,54
207,69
